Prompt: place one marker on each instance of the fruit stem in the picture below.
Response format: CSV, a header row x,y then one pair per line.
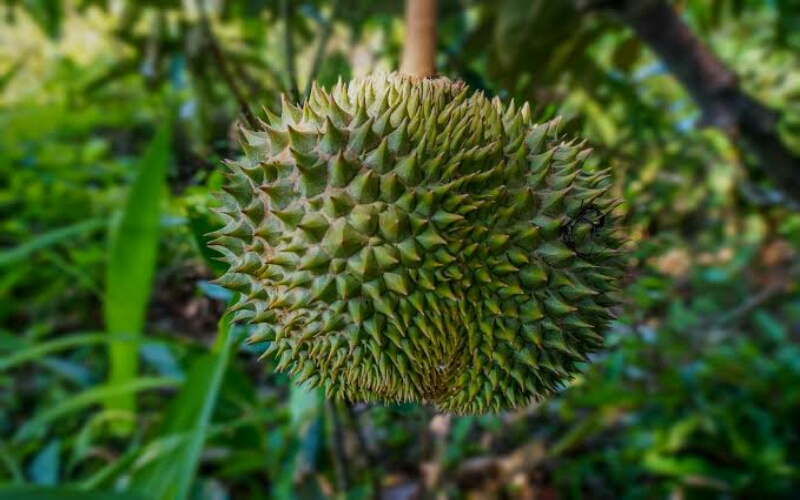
x,y
419,53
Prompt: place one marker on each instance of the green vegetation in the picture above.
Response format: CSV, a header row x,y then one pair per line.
x,y
121,378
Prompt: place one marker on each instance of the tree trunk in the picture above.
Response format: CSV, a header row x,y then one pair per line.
x,y
713,86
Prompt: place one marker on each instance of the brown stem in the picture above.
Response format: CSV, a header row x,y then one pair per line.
x,y
419,52
714,87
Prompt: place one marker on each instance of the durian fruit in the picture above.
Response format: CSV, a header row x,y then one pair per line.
x,y
398,239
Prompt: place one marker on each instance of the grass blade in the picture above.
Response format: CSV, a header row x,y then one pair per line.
x,y
25,353
171,477
48,239
59,493
141,456
89,397
11,465
131,265
200,430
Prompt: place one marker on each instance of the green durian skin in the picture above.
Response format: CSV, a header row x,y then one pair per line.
x,y
399,239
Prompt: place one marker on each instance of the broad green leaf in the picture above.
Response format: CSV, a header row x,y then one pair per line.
x,y
132,262
171,477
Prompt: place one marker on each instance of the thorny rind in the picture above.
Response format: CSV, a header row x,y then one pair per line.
x,y
397,239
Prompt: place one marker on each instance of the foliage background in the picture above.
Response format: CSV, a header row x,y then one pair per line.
x,y
120,377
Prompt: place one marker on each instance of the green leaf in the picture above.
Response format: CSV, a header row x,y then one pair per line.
x,y
132,263
171,477
24,251
61,493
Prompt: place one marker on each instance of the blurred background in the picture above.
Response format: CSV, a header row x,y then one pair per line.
x,y
120,378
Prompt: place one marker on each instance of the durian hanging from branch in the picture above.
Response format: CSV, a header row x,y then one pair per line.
x,y
398,238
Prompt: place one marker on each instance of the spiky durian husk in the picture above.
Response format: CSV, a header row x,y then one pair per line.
x,y
399,240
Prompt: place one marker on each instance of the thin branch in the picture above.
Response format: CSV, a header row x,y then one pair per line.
x,y
291,72
222,65
322,44
760,299
253,86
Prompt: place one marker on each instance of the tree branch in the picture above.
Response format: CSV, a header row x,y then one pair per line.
x,y
713,86
775,290
419,50
325,34
291,73
222,65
